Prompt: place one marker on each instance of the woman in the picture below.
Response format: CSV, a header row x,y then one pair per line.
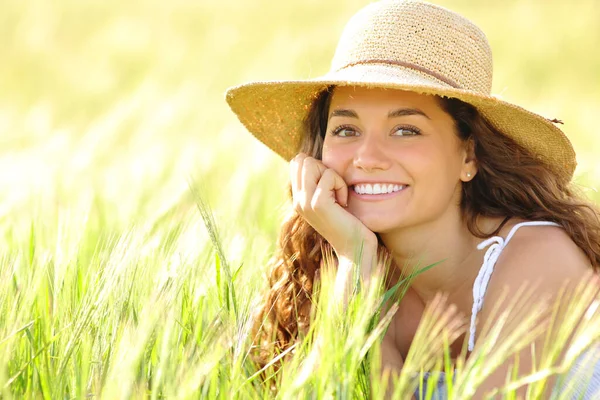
x,y
401,147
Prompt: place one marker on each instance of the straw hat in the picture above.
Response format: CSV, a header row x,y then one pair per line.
x,y
408,45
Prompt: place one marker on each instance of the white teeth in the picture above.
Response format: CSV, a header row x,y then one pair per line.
x,y
377,188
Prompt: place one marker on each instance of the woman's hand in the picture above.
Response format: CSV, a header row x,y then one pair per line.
x,y
320,195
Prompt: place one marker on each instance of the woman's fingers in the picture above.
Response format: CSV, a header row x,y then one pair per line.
x,y
314,186
331,187
318,194
341,191
296,172
312,172
316,175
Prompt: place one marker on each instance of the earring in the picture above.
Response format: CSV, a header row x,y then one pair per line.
x,y
468,174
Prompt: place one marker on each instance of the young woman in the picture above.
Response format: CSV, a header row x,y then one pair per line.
x,y
401,147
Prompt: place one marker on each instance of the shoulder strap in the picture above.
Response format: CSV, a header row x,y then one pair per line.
x,y
496,245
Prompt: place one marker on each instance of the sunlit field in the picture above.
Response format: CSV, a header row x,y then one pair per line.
x,y
138,215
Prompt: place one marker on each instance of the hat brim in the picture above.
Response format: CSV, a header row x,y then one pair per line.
x,y
274,111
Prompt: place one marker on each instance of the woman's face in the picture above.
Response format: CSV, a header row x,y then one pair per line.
x,y
399,154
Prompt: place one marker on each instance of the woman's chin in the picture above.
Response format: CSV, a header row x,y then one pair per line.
x,y
379,225
379,219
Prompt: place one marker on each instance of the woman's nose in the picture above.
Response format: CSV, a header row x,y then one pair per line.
x,y
371,155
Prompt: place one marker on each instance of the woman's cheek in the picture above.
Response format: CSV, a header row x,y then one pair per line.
x,y
420,159
334,158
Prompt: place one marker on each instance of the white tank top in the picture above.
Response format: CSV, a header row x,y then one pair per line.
x,y
496,245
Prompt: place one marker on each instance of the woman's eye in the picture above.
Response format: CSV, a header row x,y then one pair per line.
x,y
406,132
344,132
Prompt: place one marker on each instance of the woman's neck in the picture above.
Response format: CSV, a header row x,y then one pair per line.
x,y
446,242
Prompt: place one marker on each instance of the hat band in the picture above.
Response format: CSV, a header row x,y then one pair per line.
x,y
406,65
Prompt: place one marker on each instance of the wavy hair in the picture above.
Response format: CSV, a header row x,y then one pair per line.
x,y
510,183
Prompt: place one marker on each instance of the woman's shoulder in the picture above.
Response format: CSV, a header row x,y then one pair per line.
x,y
544,256
541,251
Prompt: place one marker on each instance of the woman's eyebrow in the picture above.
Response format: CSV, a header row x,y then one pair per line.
x,y
343,113
400,112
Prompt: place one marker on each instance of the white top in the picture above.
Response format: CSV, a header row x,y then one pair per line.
x,y
497,244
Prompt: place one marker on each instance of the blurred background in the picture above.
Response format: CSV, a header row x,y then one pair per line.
x,y
109,108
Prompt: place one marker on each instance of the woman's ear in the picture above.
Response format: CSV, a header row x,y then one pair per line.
x,y
469,167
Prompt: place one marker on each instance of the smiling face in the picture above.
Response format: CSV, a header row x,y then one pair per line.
x,y
399,154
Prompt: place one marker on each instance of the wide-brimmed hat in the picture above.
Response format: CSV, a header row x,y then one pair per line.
x,y
407,45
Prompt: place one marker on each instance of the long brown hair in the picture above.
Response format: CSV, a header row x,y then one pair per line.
x,y
510,183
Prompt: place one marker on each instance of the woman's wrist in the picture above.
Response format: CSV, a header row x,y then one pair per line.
x,y
354,268
361,253
363,258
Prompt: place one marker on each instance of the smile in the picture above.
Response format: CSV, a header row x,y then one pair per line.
x,y
377,188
